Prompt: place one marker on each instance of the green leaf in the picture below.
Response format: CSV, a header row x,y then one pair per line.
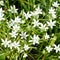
x,y
2,56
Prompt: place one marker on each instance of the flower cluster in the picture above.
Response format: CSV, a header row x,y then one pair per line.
x,y
56,48
21,31
9,44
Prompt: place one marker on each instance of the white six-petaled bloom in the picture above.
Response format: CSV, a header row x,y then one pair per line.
x,y
13,9
11,23
52,12
16,28
49,48
38,10
23,35
10,45
26,47
55,4
43,27
5,42
17,20
27,15
25,55
46,36
16,44
36,23
13,34
56,48
51,24
35,39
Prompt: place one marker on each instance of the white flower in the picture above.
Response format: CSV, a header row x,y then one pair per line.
x,y
1,3
35,39
11,23
52,11
17,19
36,23
23,35
10,45
16,44
1,14
13,9
55,4
56,48
25,55
16,28
49,48
2,17
27,15
43,27
38,10
46,36
51,24
13,34
26,47
1,11
53,15
5,42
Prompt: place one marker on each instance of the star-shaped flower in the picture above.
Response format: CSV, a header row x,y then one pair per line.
x,y
27,15
51,24
49,48
13,9
56,48
43,27
52,11
46,36
5,42
36,23
26,47
55,4
23,35
13,34
25,55
16,44
35,39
